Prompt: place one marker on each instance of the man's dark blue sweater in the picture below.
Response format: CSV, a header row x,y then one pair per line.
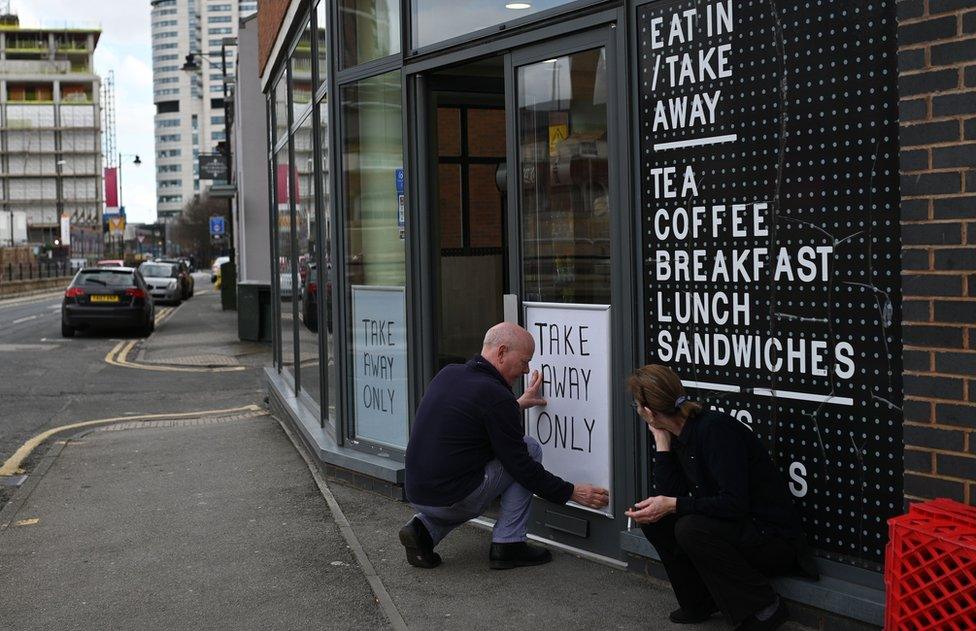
x,y
468,417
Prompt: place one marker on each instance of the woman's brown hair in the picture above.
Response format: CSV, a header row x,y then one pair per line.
x,y
658,388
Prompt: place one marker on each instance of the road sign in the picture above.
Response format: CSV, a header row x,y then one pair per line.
x,y
216,225
116,226
212,167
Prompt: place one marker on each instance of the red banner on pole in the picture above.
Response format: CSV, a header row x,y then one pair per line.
x,y
111,187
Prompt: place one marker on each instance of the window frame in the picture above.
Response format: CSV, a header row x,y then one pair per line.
x,y
342,291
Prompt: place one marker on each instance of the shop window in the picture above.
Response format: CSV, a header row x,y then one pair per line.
x,y
440,20
301,72
281,109
285,188
321,32
306,251
369,29
562,119
375,230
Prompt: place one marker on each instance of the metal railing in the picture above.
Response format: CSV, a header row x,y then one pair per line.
x,y
11,272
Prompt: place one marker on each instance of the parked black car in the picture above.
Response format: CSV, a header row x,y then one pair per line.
x,y
108,297
310,288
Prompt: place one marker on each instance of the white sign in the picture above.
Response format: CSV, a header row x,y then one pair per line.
x,y
19,222
572,354
65,230
380,353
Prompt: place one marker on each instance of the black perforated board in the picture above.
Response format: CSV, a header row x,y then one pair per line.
x,y
812,102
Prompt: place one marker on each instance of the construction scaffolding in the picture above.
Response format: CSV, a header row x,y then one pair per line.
x,y
109,147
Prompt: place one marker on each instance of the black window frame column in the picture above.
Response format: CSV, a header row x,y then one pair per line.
x,y
273,238
326,275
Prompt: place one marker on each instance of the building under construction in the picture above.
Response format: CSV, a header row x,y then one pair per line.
x,y
50,134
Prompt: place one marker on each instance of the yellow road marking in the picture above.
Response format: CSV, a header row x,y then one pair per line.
x,y
119,355
27,522
163,314
12,465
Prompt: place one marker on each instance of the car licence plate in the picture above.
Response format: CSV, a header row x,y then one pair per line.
x,y
97,298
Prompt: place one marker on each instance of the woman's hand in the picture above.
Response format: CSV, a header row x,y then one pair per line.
x,y
652,509
662,437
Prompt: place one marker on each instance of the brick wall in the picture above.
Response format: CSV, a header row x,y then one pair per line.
x,y
937,84
271,13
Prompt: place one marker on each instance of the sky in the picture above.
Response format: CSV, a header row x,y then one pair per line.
x,y
125,46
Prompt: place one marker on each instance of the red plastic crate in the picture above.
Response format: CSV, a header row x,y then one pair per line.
x,y
930,568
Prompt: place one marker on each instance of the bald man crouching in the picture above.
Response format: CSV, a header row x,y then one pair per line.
x,y
467,447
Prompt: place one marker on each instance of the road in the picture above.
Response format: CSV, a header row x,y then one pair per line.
x,y
48,381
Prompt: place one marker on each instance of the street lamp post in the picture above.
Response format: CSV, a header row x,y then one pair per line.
x,y
60,203
192,65
136,161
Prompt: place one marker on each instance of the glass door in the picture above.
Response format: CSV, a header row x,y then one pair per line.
x,y
563,140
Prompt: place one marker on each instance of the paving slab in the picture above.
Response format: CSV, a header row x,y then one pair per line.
x,y
463,593
206,525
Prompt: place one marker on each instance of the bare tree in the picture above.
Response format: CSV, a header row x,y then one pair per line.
x,y
191,233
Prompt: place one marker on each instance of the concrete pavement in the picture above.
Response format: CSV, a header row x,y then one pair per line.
x,y
216,521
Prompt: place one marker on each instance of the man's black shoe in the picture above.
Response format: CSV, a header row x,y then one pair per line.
x,y
692,616
505,556
781,615
418,544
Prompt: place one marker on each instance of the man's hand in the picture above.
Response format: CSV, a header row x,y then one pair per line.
x,y
531,397
652,509
591,496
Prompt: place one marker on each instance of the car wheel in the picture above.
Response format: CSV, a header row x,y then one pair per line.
x,y
67,331
177,302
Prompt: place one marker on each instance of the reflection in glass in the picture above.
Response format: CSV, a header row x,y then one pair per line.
x,y
284,192
562,120
369,29
440,20
305,247
375,231
321,28
281,108
301,72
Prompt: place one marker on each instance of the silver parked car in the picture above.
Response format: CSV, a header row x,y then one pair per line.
x,y
163,280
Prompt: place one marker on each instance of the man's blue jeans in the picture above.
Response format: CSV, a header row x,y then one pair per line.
x,y
513,520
